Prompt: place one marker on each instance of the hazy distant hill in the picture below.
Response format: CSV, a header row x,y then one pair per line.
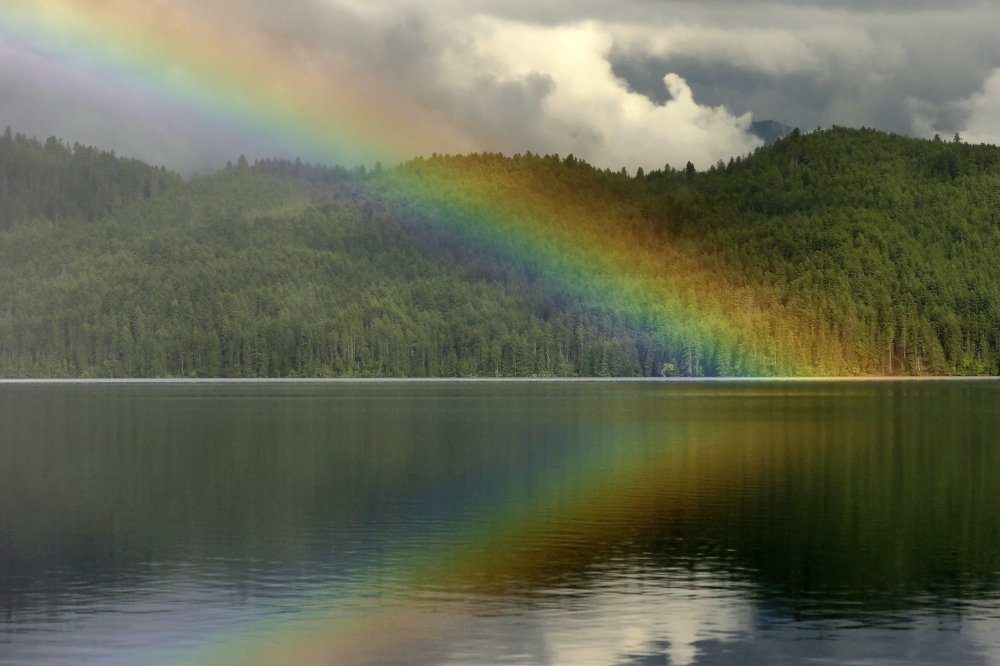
x,y
769,130
834,252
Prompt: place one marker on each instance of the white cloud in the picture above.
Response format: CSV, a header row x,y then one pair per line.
x,y
976,117
922,117
983,124
585,109
517,75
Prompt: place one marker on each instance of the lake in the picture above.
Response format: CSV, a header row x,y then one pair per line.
x,y
493,522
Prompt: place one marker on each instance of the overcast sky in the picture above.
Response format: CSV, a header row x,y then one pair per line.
x,y
622,83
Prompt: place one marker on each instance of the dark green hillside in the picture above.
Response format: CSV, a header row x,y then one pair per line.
x,y
873,253
250,274
894,242
876,254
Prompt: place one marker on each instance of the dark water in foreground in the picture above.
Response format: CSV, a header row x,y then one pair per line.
x,y
486,523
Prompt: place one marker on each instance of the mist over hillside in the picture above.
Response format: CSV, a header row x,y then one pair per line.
x,y
834,252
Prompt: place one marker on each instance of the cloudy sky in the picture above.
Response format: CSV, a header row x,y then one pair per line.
x,y
623,83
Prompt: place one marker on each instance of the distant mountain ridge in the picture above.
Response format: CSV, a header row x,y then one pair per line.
x,y
769,130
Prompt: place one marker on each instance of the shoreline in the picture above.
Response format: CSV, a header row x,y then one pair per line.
x,y
498,380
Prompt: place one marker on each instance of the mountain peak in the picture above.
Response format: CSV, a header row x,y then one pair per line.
x,y
769,130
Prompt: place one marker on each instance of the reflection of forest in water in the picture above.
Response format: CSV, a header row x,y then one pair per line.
x,y
835,499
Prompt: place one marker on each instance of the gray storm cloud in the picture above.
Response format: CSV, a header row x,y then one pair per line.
x,y
618,83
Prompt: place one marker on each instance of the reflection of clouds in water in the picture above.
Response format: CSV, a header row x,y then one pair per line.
x,y
696,624
647,625
633,622
923,642
777,640
626,623
983,633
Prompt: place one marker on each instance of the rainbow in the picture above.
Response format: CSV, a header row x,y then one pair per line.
x,y
223,64
583,247
242,77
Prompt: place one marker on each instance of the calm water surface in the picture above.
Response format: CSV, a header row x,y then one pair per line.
x,y
500,523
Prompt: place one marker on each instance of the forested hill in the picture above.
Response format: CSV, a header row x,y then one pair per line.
x,y
56,181
833,252
893,242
